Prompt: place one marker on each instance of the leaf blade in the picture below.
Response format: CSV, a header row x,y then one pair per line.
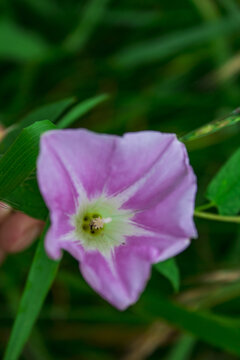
x,y
218,331
20,45
20,160
183,349
50,111
212,127
160,48
224,189
170,270
28,199
81,109
44,271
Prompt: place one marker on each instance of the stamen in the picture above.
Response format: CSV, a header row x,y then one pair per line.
x,y
98,223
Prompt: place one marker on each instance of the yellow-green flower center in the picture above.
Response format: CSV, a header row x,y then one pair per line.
x,y
93,223
101,225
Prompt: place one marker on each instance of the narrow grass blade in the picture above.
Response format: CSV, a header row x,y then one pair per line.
x,y
212,127
90,18
39,281
50,111
20,45
80,109
218,331
160,48
183,348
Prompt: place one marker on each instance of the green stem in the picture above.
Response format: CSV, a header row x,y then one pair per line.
x,y
205,206
216,217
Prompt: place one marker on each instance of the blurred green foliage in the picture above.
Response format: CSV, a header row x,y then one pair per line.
x,y
168,66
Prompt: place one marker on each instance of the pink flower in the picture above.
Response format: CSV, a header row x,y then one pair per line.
x,y
117,204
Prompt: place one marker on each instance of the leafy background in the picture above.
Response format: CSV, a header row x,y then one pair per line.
x,y
168,66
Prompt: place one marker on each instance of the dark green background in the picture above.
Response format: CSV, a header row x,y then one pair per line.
x,y
170,66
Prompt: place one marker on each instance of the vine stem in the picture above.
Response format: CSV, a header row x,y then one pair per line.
x,y
205,206
216,217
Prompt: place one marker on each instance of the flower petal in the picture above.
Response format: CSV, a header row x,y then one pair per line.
x,y
119,280
70,163
60,226
122,278
146,173
165,193
172,212
85,156
54,180
59,194
159,247
134,156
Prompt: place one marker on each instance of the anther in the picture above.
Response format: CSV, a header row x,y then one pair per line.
x,y
96,223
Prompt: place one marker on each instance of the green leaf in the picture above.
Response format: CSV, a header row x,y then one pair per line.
x,y
183,348
158,49
218,331
39,281
90,17
47,9
132,18
80,109
212,127
220,295
27,198
224,190
20,160
50,111
170,270
20,45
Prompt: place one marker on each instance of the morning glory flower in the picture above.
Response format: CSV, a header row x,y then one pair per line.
x,y
117,205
